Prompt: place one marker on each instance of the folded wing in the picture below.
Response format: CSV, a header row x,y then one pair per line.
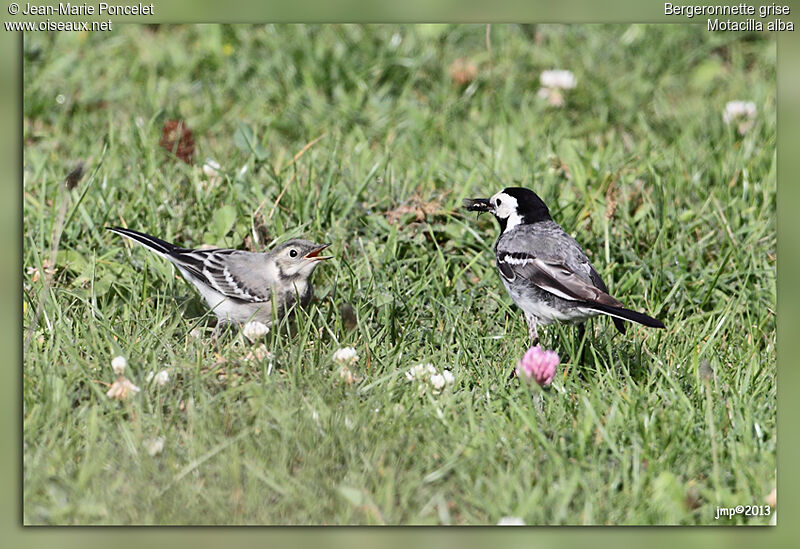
x,y
556,278
560,280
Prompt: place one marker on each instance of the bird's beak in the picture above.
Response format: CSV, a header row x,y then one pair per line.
x,y
314,254
477,204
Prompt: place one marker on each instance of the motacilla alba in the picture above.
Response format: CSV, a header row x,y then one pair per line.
x,y
242,286
544,270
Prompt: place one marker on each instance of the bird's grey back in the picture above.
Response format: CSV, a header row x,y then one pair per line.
x,y
546,240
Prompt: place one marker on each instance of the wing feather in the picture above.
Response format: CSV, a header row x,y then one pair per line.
x,y
553,277
211,267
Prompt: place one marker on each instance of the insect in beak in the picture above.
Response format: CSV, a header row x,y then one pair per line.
x,y
477,204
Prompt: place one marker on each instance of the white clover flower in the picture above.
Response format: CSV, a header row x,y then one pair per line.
x,y
345,355
437,380
118,364
162,377
122,388
258,353
255,330
154,445
211,168
558,79
553,81
738,109
511,521
427,375
741,112
419,372
347,375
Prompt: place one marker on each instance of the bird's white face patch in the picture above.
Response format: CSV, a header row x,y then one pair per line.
x,y
504,206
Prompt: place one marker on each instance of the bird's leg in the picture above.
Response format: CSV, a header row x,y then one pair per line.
x,y
581,331
512,375
533,334
217,331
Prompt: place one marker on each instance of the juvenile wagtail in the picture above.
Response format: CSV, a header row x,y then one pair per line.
x,y
242,286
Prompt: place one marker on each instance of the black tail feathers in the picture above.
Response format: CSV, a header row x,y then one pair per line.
x,y
626,314
155,244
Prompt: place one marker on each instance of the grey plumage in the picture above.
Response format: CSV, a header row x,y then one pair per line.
x,y
241,286
545,270
552,269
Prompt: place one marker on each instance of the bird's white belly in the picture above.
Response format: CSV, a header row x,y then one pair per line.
x,y
545,313
227,309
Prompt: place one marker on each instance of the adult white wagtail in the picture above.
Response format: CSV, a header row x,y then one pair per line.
x,y
544,270
242,286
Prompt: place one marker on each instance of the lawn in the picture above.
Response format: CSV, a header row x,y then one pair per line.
x,y
369,137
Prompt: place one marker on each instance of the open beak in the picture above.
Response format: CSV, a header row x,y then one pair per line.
x,y
314,254
476,204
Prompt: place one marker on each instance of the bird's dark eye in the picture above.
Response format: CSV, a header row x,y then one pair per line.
x,y
292,253
498,202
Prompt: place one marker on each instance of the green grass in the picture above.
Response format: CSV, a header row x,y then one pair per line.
x,y
675,208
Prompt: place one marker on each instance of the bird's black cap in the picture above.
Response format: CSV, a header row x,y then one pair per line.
x,y
529,206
